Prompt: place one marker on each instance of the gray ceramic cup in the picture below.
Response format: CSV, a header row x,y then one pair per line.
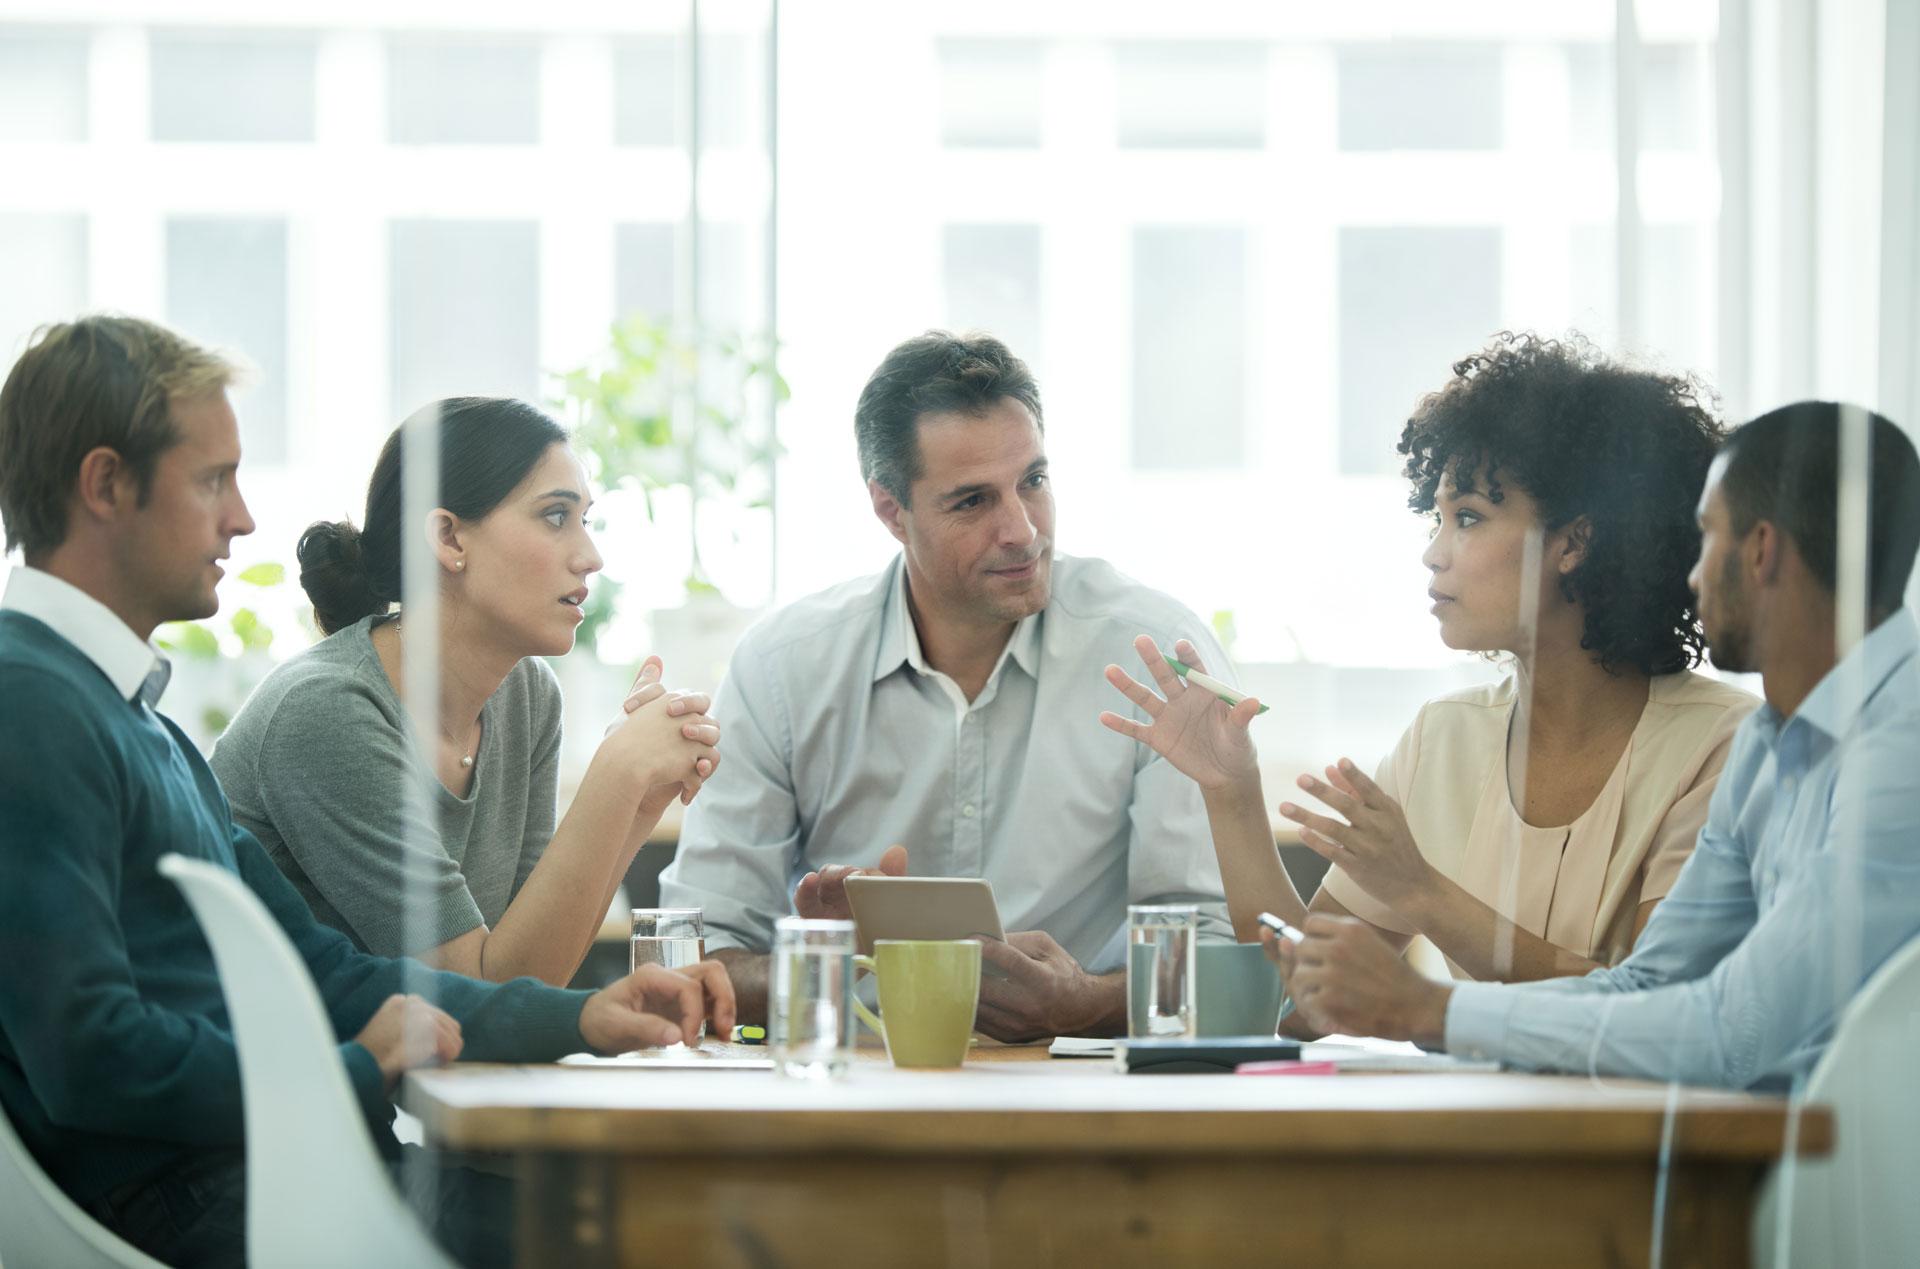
x,y
1239,990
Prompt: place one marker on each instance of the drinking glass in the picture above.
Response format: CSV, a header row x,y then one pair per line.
x,y
1160,969
811,1011
673,937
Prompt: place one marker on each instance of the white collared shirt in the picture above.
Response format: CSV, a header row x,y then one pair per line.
x,y
89,625
841,741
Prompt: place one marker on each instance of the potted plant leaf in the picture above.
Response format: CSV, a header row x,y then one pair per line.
x,y
676,415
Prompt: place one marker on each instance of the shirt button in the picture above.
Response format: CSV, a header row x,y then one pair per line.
x,y
968,810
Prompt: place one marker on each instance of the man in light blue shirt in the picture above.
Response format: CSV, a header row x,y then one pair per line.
x,y
1806,877
951,704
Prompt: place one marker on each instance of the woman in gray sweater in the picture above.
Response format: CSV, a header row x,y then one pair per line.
x,y
319,760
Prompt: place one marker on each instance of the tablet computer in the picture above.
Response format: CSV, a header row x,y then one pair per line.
x,y
921,908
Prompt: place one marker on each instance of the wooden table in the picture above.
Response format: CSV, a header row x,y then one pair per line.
x,y
1017,1160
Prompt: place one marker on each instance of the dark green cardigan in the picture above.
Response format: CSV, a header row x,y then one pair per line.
x,y
116,1057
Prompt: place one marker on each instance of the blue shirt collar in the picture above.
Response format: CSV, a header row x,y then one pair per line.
x,y
1837,699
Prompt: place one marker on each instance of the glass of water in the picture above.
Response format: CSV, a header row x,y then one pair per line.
x,y
673,937
810,1009
1160,969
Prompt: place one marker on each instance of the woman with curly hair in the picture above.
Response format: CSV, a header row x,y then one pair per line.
x,y
1526,828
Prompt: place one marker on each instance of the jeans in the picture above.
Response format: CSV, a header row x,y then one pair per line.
x,y
194,1213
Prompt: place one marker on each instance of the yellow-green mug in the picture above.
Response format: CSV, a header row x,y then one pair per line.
x,y
928,991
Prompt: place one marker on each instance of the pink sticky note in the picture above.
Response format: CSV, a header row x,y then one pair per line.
x,y
1293,1067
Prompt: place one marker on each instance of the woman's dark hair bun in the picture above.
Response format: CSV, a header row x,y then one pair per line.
x,y
487,447
334,575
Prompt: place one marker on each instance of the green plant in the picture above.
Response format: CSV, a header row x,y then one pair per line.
x,y
665,407
1225,629
199,641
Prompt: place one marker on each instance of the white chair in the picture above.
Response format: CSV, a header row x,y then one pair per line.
x,y
41,1226
317,1191
1857,1208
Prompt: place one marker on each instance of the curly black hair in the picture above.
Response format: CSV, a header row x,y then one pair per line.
x,y
1585,436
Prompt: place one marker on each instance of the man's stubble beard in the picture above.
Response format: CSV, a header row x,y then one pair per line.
x,y
1030,601
1731,645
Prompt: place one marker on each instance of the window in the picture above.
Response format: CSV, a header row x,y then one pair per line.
x,y
44,262
465,311
227,286
646,91
643,269
1676,96
1420,97
1590,106
993,284
647,260
233,87
1674,328
731,105
463,92
990,93
1412,302
43,86
1174,95
1189,348
650,90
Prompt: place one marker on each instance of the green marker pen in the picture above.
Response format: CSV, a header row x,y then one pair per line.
x,y
1211,684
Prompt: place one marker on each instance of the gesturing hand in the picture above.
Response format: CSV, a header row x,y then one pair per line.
x,y
405,1032
823,894
655,1006
1346,980
1374,846
1045,991
1190,727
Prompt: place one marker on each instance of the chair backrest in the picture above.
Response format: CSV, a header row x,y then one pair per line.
x,y
317,1190
1857,1206
40,1225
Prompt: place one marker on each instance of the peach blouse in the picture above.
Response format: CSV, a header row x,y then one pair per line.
x,y
1578,886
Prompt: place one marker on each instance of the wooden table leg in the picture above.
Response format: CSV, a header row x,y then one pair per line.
x,y
567,1211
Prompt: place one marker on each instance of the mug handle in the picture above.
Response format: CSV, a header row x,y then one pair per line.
x,y
866,1015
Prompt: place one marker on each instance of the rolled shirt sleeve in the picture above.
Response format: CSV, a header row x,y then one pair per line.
x,y
741,836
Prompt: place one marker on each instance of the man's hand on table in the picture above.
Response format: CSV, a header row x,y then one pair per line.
x,y
655,1006
407,1031
1045,991
1346,980
822,895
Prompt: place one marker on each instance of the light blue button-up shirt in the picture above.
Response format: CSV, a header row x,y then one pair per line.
x,y
1805,879
841,740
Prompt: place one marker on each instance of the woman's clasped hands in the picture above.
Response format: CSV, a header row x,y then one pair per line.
x,y
667,739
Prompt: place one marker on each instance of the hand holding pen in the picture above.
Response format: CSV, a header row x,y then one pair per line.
x,y
1191,722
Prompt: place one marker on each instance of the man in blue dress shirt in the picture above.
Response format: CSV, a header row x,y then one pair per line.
x,y
1806,877
951,704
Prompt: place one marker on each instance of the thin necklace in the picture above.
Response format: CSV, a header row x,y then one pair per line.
x,y
466,759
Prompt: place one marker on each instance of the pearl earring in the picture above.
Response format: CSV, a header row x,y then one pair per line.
x,y
459,564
